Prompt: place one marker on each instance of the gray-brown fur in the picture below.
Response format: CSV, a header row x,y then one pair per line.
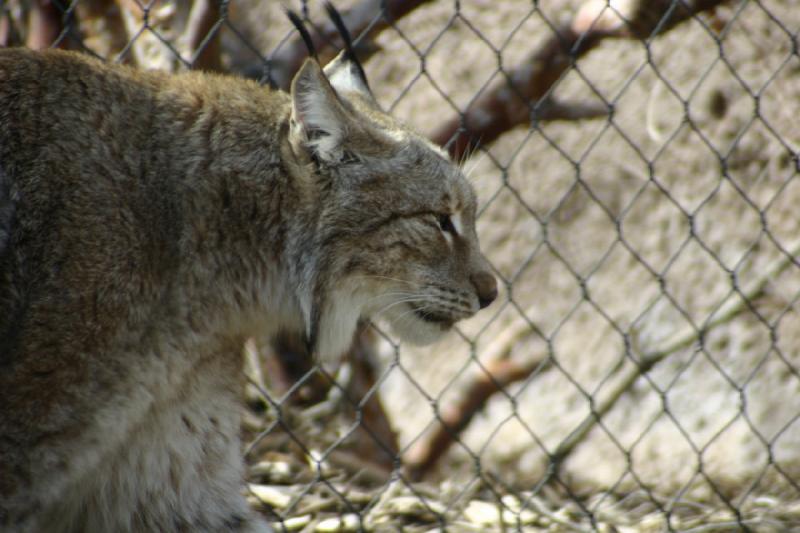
x,y
149,223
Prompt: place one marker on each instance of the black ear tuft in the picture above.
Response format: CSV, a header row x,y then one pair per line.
x,y
349,52
301,28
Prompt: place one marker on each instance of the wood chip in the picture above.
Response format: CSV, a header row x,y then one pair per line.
x,y
277,496
346,522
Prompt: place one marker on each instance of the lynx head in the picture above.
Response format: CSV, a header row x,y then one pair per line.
x,y
391,220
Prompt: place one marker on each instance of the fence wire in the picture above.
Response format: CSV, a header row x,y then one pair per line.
x,y
637,166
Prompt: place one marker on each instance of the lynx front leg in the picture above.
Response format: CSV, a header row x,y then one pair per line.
x,y
198,472
179,469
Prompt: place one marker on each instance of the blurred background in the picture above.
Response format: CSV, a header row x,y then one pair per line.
x,y
637,169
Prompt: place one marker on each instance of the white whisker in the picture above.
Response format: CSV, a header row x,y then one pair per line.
x,y
395,296
468,173
398,302
410,312
375,276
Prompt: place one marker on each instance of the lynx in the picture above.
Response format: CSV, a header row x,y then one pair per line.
x,y
149,224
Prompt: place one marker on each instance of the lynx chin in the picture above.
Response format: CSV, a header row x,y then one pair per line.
x,y
149,224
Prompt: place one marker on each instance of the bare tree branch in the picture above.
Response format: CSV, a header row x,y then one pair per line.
x,y
495,376
289,361
497,372
7,30
376,441
199,41
286,363
626,375
552,109
517,99
44,25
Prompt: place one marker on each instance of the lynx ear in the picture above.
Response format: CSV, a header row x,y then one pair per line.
x,y
346,76
318,117
345,72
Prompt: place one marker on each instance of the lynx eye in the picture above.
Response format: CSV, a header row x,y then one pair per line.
x,y
446,224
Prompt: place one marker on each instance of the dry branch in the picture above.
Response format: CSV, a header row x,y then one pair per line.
x,y
179,35
375,440
47,26
495,376
631,372
204,45
9,35
289,362
520,97
44,25
6,29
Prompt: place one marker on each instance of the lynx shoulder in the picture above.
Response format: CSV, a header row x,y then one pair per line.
x,y
149,224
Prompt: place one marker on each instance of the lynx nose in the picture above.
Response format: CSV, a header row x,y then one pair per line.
x,y
486,287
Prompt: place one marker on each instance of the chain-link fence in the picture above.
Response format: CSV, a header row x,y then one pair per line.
x,y
637,168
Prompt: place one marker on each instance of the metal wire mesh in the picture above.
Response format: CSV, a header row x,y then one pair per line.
x,y
637,165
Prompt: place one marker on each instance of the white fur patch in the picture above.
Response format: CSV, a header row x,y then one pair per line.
x,y
436,148
411,329
338,323
315,113
396,134
458,222
344,81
